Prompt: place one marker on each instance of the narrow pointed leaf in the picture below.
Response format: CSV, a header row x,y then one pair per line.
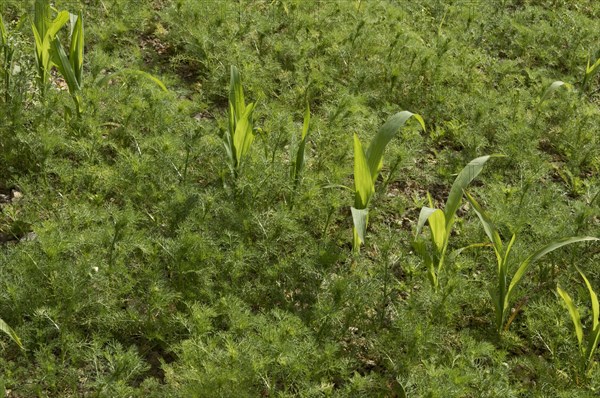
x,y
490,229
593,299
363,184
298,165
3,33
76,49
10,332
236,93
592,345
60,59
539,254
464,178
384,136
574,312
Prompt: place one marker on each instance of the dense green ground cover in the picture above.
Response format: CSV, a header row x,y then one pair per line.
x,y
138,266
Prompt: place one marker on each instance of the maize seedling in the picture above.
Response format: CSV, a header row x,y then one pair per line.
x,y
240,133
588,345
442,221
367,165
505,287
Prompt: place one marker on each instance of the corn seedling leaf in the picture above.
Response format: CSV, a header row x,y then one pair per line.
x,y
363,184
552,88
488,226
593,300
360,217
574,312
61,60
539,254
424,215
236,94
243,136
385,134
76,48
10,332
464,178
437,224
3,32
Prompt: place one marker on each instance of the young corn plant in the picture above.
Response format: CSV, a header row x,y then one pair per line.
x,y
590,71
240,133
71,66
505,286
367,165
588,345
441,221
10,333
44,31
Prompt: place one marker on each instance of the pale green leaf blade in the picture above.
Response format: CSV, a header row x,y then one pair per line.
x,y
488,226
462,181
593,340
437,224
60,59
3,32
542,252
61,19
10,332
244,135
236,94
574,312
593,299
424,215
76,49
360,218
363,184
385,134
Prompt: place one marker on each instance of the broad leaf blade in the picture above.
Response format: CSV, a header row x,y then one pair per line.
x,y
60,59
236,94
424,215
574,312
384,136
363,184
462,181
437,224
360,218
244,135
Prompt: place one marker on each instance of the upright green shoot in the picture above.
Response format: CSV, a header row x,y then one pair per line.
x,y
506,286
71,66
590,71
442,221
367,165
240,133
588,345
44,31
